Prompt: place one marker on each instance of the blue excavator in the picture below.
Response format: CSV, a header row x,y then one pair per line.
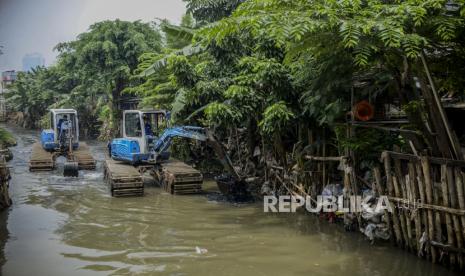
x,y
61,139
144,147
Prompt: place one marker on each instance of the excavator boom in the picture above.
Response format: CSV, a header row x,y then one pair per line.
x,y
199,134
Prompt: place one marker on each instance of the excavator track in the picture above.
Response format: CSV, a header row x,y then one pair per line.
x,y
41,160
84,158
180,178
123,179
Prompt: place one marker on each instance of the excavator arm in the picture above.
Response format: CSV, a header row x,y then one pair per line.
x,y
199,134
163,143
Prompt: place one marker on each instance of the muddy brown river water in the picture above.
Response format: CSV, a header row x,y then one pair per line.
x,y
63,226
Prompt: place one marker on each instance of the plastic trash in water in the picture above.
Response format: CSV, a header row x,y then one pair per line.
x,y
200,250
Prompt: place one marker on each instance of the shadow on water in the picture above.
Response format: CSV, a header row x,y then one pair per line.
x,y
4,235
63,226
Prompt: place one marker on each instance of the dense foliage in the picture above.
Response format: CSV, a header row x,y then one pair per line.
x,y
335,47
35,91
280,75
90,75
211,10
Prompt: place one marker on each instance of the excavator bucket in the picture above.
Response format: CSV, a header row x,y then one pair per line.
x,y
71,169
233,189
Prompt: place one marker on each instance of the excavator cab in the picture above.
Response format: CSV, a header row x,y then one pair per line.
x,y
64,129
140,130
61,139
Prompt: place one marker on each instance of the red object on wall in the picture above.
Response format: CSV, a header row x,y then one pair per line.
x,y
364,111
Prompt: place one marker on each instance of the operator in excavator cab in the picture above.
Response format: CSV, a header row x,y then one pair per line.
x,y
61,123
148,131
148,126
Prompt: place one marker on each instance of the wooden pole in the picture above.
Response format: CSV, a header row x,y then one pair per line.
x,y
461,204
454,203
403,220
381,192
395,219
421,192
429,199
413,199
453,142
460,194
446,203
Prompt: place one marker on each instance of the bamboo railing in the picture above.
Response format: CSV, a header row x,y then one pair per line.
x,y
428,217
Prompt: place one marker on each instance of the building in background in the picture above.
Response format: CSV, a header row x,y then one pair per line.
x,y
31,61
8,78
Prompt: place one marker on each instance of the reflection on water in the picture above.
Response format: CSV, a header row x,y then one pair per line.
x,y
61,226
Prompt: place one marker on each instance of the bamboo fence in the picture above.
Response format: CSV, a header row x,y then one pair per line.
x,y
427,193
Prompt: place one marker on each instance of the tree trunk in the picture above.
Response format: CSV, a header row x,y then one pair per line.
x,y
116,113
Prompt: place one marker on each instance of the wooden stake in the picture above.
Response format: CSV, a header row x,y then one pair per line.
x,y
413,199
446,203
453,202
429,199
395,219
421,192
381,192
403,221
461,198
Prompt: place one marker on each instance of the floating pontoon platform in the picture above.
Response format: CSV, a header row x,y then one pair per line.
x,y
180,178
41,160
123,179
84,158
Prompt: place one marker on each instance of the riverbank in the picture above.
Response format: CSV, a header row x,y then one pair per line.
x,y
78,227
6,140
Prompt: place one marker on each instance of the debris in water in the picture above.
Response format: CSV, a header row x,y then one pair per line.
x,y
199,250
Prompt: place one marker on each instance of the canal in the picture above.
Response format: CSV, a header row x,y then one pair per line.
x,y
72,226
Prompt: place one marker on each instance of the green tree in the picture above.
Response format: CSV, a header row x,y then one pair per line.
x,y
211,10
103,59
178,37
157,89
345,42
34,92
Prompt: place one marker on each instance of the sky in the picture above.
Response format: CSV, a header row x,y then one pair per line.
x,y
36,26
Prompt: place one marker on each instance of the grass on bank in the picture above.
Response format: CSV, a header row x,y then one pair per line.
x,y
6,139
